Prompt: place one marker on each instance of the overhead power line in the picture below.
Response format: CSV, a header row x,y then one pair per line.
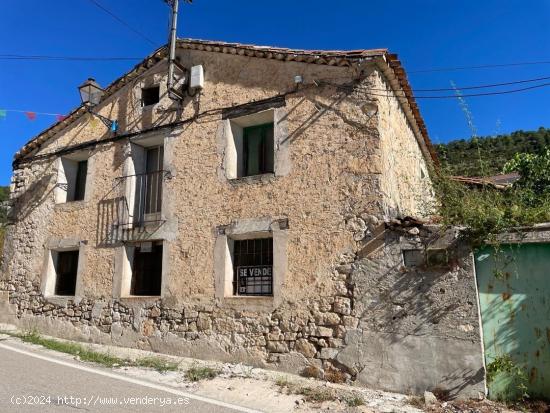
x,y
490,66
515,82
503,92
484,86
64,58
114,16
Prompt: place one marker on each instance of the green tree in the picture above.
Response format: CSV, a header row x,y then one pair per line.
x,y
461,157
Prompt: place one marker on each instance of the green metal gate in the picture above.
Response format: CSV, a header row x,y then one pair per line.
x,y
514,296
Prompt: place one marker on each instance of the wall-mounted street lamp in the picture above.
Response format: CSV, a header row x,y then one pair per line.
x,y
90,94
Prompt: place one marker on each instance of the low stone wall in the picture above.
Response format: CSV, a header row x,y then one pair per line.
x,y
289,338
405,328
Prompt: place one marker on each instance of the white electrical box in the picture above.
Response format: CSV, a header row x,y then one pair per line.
x,y
197,77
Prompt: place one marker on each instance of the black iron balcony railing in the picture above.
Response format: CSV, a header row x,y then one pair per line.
x,y
143,197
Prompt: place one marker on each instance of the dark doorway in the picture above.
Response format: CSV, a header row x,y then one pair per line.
x,y
66,270
147,270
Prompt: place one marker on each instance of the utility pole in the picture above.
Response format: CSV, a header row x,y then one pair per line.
x,y
172,93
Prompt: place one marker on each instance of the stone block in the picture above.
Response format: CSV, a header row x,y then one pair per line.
x,y
342,305
277,347
328,353
323,332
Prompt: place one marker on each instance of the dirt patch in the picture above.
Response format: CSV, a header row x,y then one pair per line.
x,y
487,406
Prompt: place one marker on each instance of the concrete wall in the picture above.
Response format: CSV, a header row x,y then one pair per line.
x,y
327,187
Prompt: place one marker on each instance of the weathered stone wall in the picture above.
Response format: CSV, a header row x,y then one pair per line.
x,y
405,180
330,195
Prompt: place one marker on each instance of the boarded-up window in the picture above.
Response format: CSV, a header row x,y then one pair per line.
x,y
258,149
66,270
147,269
413,258
253,266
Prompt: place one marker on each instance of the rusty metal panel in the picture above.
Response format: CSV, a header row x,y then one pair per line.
x,y
514,296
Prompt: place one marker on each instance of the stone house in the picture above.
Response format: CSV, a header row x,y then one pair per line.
x,y
226,225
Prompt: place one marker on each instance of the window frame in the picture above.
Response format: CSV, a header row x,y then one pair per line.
x,y
138,287
58,275
264,255
276,228
49,272
124,269
145,91
73,182
135,176
230,138
265,165
79,192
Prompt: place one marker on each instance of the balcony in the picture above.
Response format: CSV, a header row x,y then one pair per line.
x,y
133,208
144,198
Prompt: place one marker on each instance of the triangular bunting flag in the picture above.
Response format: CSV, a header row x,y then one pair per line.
x,y
94,122
60,117
3,113
31,115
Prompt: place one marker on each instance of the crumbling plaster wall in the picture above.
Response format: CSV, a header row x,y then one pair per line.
x,y
418,326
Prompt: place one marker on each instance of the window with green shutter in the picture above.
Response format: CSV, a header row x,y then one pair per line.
x,y
258,149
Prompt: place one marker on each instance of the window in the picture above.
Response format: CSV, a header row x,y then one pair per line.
x,y
153,180
150,96
413,258
65,270
80,183
253,266
250,260
256,144
72,179
258,149
147,269
143,182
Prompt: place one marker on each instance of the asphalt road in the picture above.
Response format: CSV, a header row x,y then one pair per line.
x,y
32,380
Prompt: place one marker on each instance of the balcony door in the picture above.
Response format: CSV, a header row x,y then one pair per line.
x,y
152,184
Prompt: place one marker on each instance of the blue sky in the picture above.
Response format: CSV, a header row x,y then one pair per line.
x,y
426,34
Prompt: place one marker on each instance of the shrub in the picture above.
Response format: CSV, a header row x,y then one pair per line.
x,y
197,373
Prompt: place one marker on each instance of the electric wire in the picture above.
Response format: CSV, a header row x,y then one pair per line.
x,y
64,58
503,92
427,70
487,86
114,16
489,66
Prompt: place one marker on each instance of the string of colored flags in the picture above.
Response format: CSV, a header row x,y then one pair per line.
x,y
30,114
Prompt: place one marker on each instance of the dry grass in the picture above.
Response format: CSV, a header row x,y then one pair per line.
x,y
312,371
416,401
335,376
156,363
197,373
92,356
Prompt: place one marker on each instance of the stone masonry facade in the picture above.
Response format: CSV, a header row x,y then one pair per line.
x,y
335,185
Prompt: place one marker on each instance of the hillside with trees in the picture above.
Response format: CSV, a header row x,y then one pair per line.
x,y
486,156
